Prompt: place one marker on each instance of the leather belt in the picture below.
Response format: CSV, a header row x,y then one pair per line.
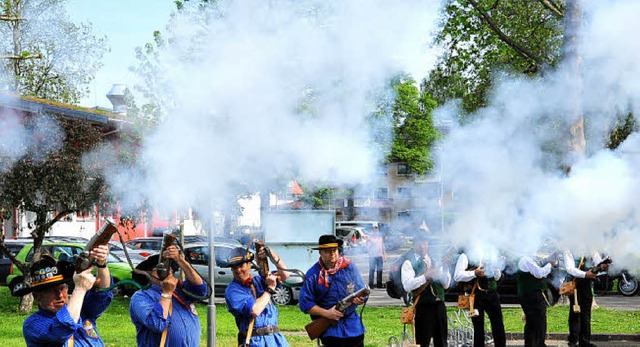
x,y
268,330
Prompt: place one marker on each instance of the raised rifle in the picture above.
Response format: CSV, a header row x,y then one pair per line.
x,y
84,260
318,326
164,264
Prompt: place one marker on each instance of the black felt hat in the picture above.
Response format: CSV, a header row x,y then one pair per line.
x,y
237,257
45,273
327,242
147,266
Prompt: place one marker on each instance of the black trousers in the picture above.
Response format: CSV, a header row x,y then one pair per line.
x,y
431,322
535,310
375,265
488,302
331,341
580,323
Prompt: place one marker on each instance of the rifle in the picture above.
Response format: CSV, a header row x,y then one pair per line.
x,y
164,265
319,325
84,260
597,269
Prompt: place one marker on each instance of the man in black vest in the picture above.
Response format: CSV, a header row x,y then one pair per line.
x,y
422,277
486,299
580,322
532,286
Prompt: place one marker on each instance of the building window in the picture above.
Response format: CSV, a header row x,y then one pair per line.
x,y
404,192
402,169
381,194
383,169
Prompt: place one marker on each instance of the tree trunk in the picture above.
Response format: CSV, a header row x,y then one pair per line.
x,y
26,304
575,143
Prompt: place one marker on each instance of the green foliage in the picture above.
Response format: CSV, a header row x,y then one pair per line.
x,y
317,198
414,132
513,37
623,127
49,179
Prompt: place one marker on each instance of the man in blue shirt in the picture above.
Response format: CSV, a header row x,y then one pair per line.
x,y
330,280
249,300
60,320
165,313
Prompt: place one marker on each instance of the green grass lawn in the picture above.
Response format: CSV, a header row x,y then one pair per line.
x,y
381,323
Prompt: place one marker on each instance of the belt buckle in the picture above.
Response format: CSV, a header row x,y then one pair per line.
x,y
270,329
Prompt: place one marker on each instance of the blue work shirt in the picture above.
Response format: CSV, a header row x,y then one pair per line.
x,y
240,301
45,328
344,282
184,325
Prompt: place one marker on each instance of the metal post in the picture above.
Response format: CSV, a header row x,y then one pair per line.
x,y
211,306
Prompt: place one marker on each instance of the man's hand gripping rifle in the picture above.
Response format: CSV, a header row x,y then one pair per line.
x,y
319,325
85,260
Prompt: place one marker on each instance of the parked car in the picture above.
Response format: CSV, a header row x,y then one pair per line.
x,y
150,244
154,243
136,255
198,254
66,251
5,263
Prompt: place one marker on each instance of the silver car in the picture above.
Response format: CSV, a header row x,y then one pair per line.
x,y
136,255
198,255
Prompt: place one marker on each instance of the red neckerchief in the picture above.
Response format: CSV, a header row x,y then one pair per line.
x,y
181,301
323,278
248,281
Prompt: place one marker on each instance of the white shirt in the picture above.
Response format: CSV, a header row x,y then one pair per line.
x,y
460,274
570,264
526,264
411,282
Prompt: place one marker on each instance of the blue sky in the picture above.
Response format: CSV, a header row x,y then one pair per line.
x,y
126,24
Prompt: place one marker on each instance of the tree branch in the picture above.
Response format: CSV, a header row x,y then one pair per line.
x,y
20,57
10,18
38,233
552,7
3,247
506,39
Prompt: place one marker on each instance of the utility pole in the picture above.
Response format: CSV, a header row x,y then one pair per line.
x,y
13,17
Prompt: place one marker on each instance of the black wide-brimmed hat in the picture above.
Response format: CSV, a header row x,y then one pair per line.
x,y
237,257
328,241
147,266
45,273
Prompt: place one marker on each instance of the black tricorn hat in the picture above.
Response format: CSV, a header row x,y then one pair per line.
x,y
148,265
328,241
45,273
237,257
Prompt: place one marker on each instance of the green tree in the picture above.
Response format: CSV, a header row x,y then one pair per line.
x,y
414,132
483,37
45,54
50,179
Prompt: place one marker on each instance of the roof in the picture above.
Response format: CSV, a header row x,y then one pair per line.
x,y
36,106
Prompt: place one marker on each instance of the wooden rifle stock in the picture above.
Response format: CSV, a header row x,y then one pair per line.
x,y
318,326
164,265
102,237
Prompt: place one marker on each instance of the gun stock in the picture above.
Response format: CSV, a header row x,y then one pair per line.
x,y
102,237
318,326
164,265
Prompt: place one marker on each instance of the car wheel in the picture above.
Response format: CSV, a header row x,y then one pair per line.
x,y
628,287
117,290
14,282
283,295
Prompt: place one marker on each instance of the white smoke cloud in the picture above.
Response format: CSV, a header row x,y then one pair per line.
x,y
514,196
236,77
19,138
